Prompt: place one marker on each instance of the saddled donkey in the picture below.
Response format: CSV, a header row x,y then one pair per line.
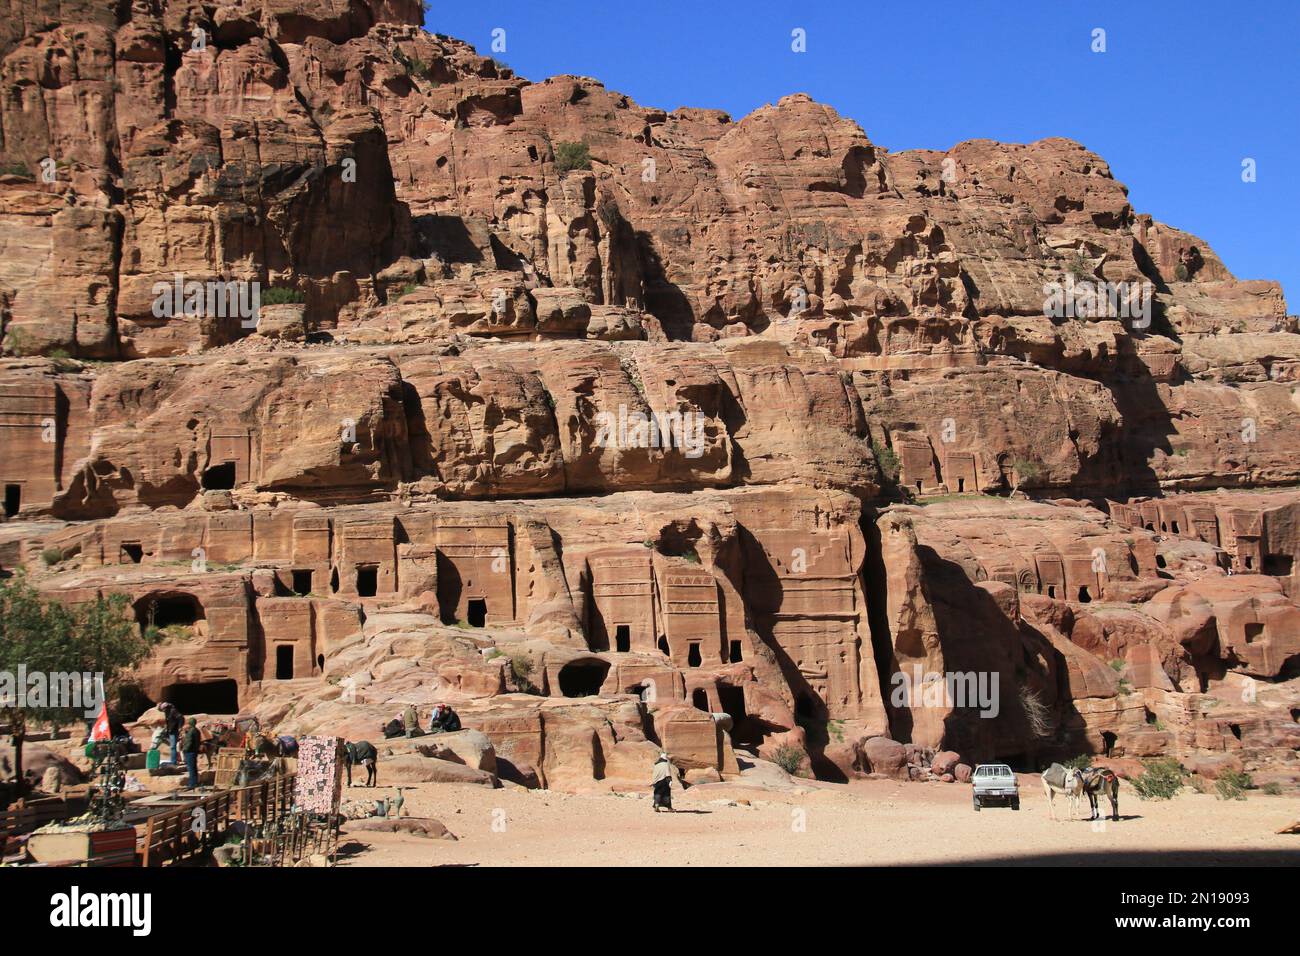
x,y
1066,780
215,737
1101,780
267,747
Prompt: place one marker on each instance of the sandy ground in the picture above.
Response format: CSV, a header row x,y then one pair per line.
x,y
866,822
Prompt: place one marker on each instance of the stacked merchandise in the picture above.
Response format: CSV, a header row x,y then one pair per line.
x,y
319,785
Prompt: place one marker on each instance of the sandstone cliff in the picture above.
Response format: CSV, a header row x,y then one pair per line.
x,y
420,470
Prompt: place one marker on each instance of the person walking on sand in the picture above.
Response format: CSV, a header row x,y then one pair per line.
x,y
662,784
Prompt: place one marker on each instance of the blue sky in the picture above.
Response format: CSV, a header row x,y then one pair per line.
x,y
1185,91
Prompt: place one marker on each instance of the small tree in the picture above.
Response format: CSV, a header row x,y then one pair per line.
x,y
1080,266
280,295
1022,470
1233,784
886,461
1160,779
788,758
521,669
48,637
570,156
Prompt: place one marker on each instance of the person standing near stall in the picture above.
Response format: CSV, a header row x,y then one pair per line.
x,y
191,743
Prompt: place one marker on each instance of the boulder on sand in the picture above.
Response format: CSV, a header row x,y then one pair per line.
x,y
470,747
412,768
885,756
944,762
428,828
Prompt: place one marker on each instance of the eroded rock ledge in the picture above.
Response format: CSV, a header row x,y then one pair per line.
x,y
393,486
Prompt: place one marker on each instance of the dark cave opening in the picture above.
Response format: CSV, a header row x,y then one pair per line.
x,y
583,678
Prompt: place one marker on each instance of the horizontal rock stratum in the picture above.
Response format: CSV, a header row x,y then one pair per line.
x,y
376,374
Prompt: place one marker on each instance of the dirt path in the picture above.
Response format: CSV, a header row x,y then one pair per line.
x,y
866,822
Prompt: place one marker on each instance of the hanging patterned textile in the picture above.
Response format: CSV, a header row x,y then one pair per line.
x,y
319,785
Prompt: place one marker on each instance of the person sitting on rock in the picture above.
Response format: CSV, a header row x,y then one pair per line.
x,y
363,752
393,728
411,722
444,720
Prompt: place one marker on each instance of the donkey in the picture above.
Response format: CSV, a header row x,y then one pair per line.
x,y
1066,780
214,737
1101,780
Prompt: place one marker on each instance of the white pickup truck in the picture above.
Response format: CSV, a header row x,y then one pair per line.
x,y
995,783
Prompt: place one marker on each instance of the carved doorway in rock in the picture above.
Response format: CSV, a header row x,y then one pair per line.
x,y
367,580
284,662
476,612
13,499
219,477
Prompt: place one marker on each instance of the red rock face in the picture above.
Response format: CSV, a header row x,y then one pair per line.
x,y
597,420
